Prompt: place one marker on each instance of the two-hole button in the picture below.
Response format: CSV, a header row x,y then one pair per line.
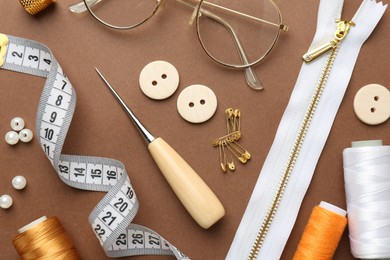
x,y
159,80
372,104
197,103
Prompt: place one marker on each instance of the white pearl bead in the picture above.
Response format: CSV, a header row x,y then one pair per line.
x,y
11,137
25,135
5,201
19,182
17,123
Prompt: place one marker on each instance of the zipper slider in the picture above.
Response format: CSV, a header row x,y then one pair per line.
x,y
342,29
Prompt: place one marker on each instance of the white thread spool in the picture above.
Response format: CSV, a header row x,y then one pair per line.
x,y
367,184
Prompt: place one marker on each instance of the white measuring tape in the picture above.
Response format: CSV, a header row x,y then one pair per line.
x,y
111,218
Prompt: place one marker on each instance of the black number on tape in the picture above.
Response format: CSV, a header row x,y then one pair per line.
x,y
16,54
96,173
79,172
59,100
154,240
33,57
107,217
49,133
138,239
47,61
53,117
46,148
63,86
121,240
129,193
63,168
111,175
121,205
99,230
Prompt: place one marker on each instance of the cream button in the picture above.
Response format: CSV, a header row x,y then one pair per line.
x,y
197,103
372,104
159,80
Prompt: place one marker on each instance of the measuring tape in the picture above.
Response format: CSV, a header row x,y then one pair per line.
x,y
111,218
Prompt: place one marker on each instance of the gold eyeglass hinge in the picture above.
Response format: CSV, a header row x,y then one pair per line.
x,y
283,27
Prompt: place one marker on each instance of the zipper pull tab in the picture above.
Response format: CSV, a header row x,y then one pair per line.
x,y
317,52
342,29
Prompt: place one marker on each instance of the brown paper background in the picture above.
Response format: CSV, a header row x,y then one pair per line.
x,y
100,128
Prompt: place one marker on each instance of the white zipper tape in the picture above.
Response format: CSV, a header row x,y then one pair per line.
x,y
366,19
111,218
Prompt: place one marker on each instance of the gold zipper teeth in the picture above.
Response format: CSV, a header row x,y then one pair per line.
x,y
293,156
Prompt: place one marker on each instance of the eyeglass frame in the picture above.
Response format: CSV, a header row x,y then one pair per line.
x,y
251,77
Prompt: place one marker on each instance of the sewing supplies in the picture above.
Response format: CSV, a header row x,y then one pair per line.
x,y
17,123
12,137
246,41
197,103
159,80
302,133
45,238
25,135
35,6
111,218
228,145
5,201
367,189
322,233
19,182
192,191
372,104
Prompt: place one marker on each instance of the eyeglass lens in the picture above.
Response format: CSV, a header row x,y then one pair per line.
x,y
123,13
241,36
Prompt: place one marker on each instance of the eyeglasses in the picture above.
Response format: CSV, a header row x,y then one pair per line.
x,y
234,33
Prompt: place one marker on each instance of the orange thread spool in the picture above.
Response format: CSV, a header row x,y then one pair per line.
x,y
322,233
45,240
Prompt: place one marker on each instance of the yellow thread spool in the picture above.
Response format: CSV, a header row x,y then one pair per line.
x,y
35,6
45,239
322,233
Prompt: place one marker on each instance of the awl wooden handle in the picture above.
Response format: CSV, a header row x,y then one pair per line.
x,y
199,200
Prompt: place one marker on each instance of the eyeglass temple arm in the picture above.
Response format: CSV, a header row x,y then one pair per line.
x,y
280,26
251,78
81,8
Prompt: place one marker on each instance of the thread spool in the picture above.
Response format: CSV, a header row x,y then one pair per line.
x,y
44,238
367,187
322,233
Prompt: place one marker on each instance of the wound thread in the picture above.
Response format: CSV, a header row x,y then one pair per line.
x,y
44,241
322,233
367,190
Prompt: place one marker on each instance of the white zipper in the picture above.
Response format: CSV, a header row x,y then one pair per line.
x,y
315,137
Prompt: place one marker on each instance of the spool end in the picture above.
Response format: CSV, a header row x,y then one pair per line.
x,y
32,224
333,208
366,143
